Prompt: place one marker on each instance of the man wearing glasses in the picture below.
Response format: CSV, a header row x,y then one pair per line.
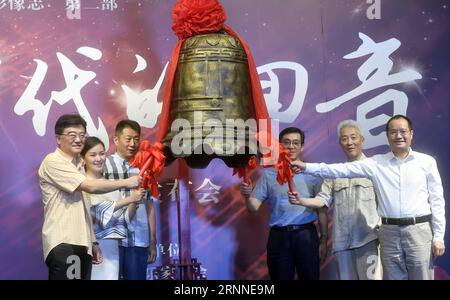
x,y
293,244
410,201
68,239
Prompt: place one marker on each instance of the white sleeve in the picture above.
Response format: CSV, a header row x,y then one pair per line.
x,y
437,202
360,168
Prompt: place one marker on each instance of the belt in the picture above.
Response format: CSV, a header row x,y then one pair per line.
x,y
290,227
405,221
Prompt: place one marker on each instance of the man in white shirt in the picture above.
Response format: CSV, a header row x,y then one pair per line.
x,y
410,201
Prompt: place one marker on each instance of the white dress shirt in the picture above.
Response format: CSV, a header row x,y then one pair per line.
x,y
410,187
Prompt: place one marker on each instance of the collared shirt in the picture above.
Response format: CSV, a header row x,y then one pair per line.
x,y
66,214
282,212
355,213
118,168
109,224
410,187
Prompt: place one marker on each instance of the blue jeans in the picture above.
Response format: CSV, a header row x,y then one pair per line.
x,y
133,263
294,251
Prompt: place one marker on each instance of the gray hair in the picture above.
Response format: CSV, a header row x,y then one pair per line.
x,y
348,123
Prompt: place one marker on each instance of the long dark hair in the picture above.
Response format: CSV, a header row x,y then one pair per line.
x,y
90,143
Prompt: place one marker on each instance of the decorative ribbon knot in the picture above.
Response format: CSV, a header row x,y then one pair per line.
x,y
150,160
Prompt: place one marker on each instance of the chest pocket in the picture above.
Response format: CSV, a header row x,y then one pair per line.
x,y
341,187
364,189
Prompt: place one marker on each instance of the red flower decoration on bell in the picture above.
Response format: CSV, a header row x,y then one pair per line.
x,y
193,17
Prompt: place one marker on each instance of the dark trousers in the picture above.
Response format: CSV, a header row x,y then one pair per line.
x,y
290,251
133,263
67,262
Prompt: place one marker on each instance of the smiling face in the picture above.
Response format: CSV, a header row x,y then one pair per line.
x,y
95,159
399,136
292,142
72,139
351,142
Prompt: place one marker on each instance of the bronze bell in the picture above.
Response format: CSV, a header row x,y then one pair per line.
x,y
211,86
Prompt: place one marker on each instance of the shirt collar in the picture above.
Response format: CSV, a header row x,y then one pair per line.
x,y
360,158
76,161
411,155
119,159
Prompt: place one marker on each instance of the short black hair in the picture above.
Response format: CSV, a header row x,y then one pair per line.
x,y
69,120
127,123
91,142
292,130
396,117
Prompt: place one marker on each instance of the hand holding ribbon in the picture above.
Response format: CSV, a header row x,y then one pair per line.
x,y
150,160
285,173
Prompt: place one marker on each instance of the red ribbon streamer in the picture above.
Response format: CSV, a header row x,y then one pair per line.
x,y
243,172
150,160
285,173
283,163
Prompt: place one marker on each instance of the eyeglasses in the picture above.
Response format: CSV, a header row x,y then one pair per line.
x,y
73,136
394,132
295,143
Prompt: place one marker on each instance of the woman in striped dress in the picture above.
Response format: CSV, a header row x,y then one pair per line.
x,y
111,215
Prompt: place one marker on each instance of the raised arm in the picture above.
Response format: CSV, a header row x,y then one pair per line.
x,y
135,197
252,203
101,186
360,168
295,199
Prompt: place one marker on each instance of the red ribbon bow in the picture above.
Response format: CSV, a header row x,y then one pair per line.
x,y
150,160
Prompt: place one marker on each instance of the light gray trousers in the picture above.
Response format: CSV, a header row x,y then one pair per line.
x,y
359,263
406,251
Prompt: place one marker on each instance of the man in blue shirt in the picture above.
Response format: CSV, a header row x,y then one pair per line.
x,y
293,244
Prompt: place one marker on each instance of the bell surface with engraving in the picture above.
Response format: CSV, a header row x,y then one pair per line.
x,y
211,112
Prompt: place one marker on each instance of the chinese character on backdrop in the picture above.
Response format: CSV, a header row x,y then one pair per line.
x,y
208,192
272,97
109,5
17,5
73,9
75,80
143,107
374,73
35,5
